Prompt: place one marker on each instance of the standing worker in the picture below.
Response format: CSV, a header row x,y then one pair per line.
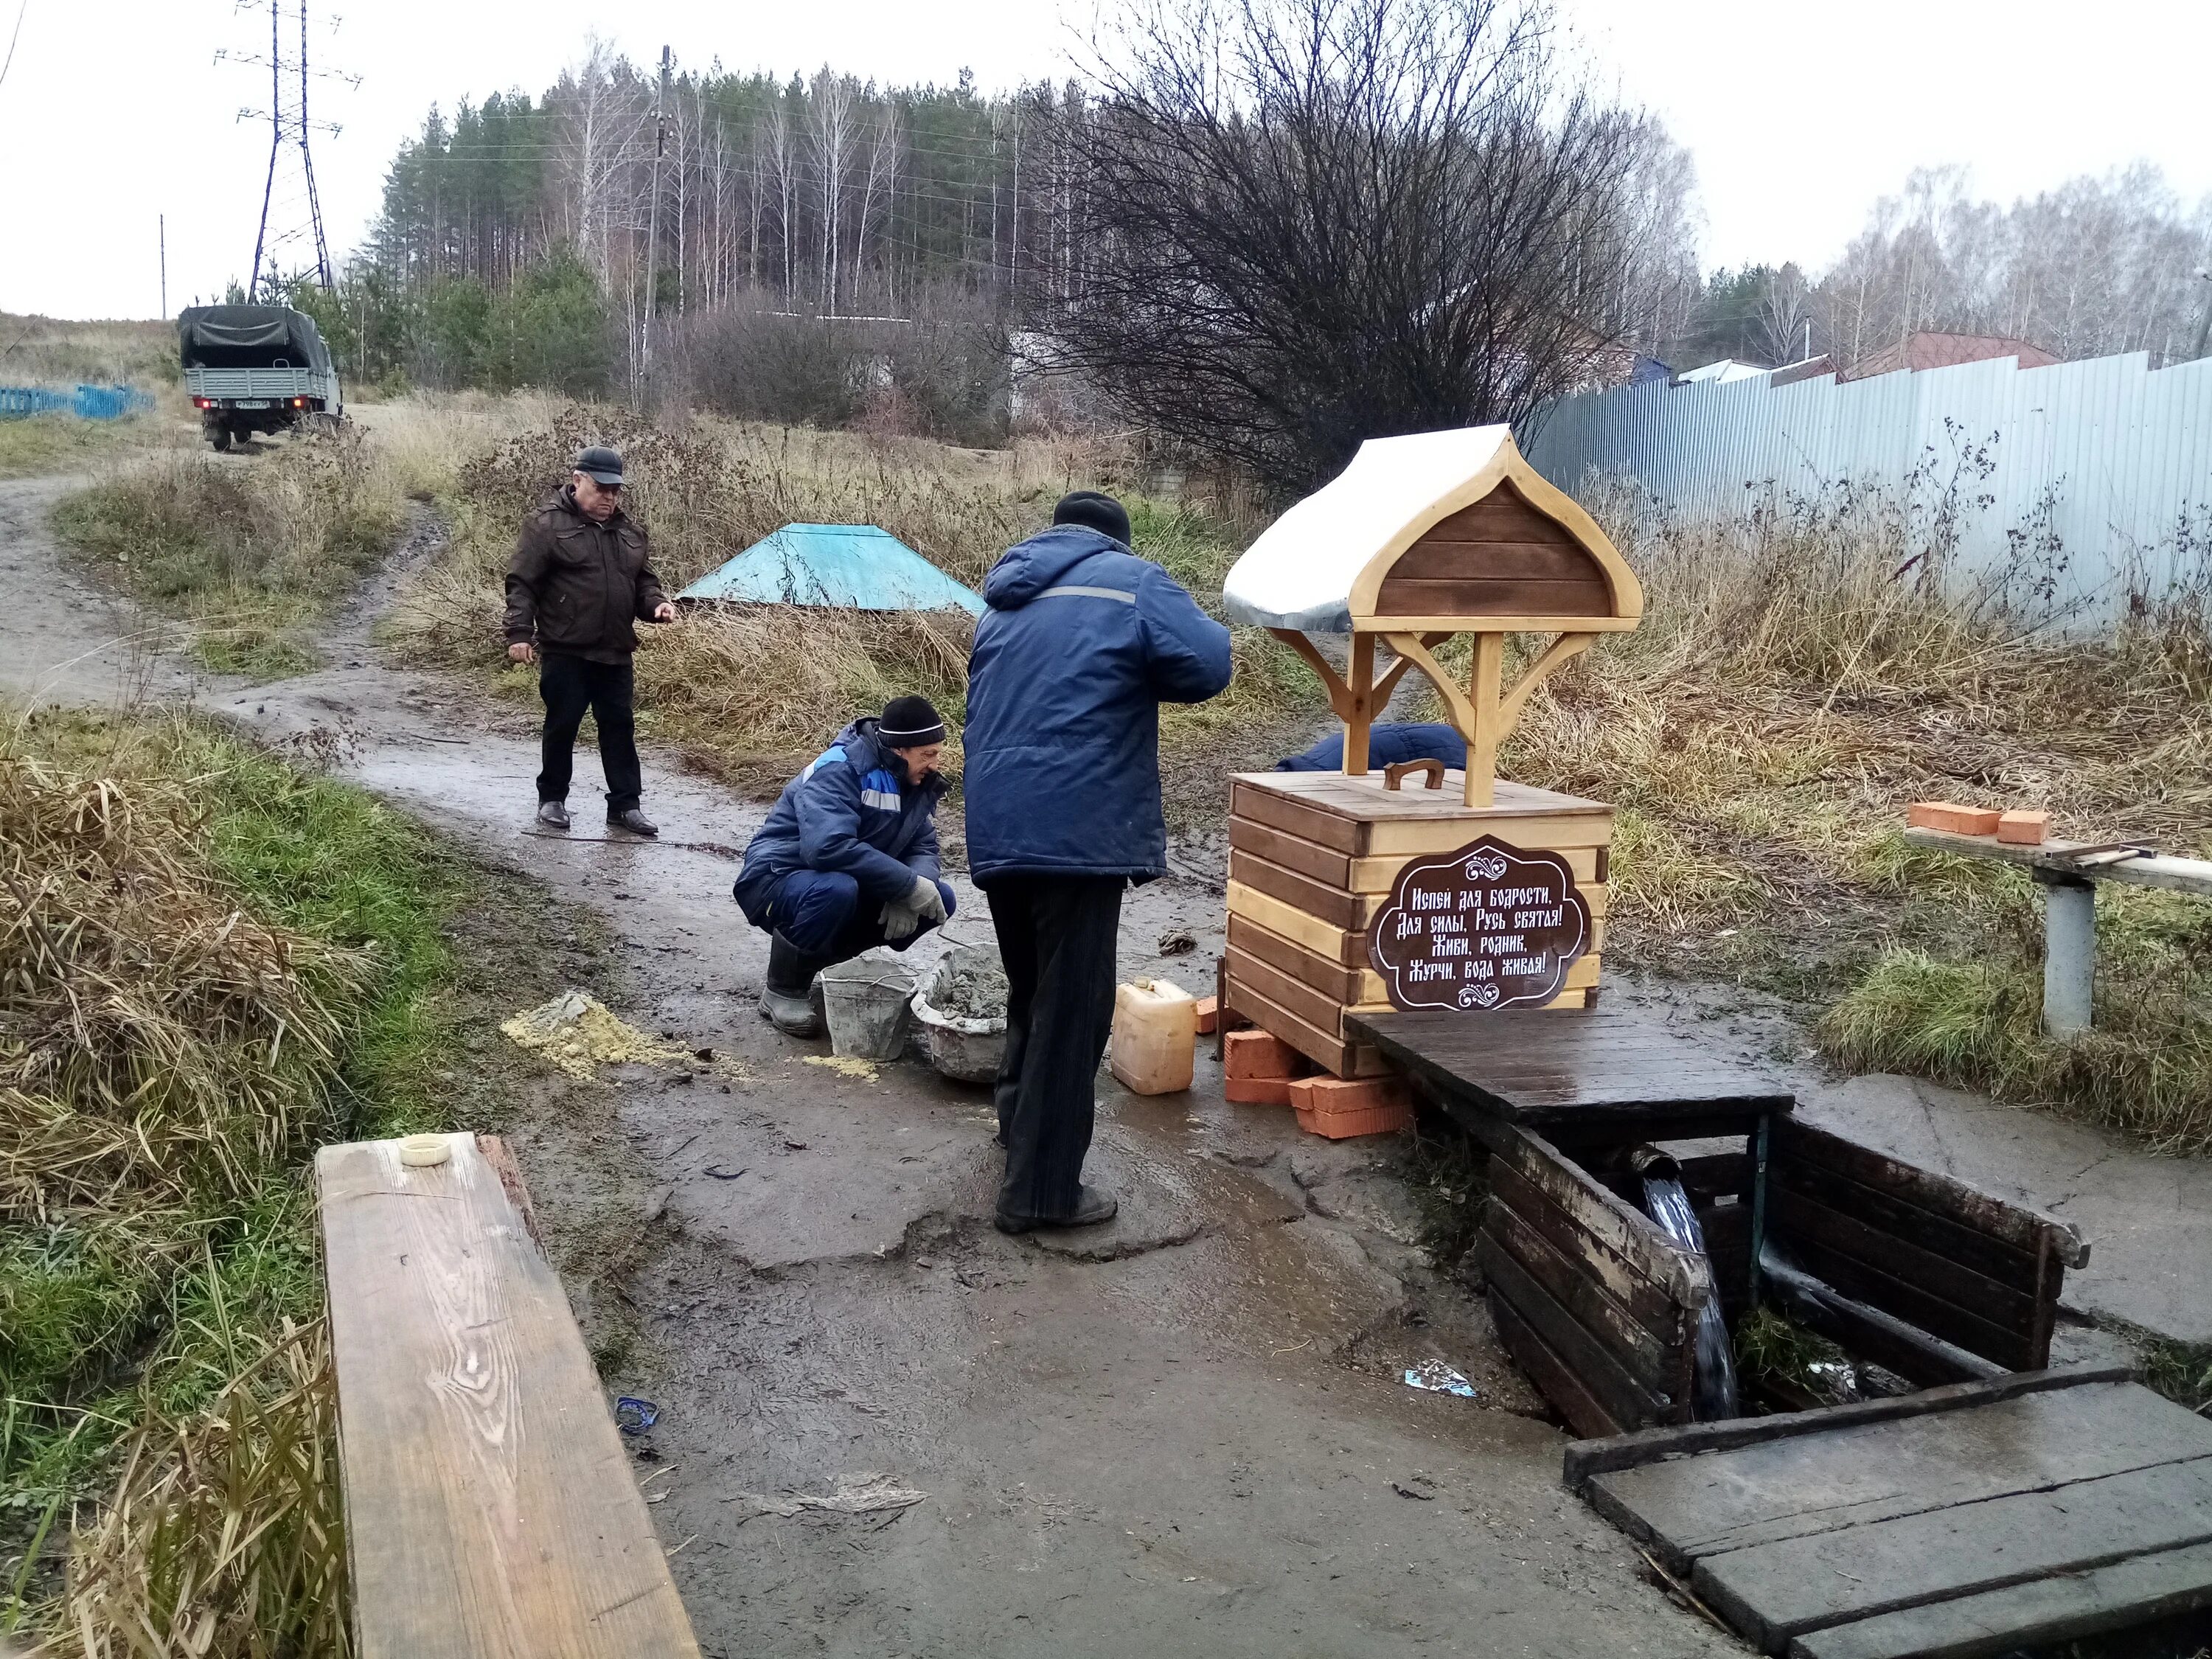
x,y
576,587
1082,642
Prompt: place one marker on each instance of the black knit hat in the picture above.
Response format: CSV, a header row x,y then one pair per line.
x,y
1093,511
910,723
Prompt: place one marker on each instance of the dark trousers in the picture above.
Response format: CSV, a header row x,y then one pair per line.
x,y
1057,934
820,912
569,685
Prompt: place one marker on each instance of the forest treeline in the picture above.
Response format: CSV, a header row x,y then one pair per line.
x,y
826,249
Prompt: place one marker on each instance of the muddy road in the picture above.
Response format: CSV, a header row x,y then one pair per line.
x,y
1185,1431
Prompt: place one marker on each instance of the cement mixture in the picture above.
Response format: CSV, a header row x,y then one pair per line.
x,y
976,991
1185,1431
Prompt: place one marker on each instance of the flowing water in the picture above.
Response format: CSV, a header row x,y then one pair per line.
x,y
1715,1378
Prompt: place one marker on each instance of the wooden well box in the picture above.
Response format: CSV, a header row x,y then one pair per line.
x,y
1421,539
1312,857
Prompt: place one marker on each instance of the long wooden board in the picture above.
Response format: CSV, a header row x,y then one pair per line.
x,y
1553,1375
1694,1507
2043,1614
1626,1401
491,1511
1350,948
1773,1592
1623,1229
1658,1364
1569,838
1358,817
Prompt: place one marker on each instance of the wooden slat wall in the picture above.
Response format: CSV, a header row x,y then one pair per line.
x,y
491,1510
1595,1284
1963,1265
1499,557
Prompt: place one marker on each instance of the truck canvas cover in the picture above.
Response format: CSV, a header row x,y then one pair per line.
x,y
249,337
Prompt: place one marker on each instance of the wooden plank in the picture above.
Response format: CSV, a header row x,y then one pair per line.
x,y
1659,1361
1772,1592
1584,1463
1492,596
1308,819
1343,985
1599,1072
491,1510
1941,1279
1871,1333
2013,1349
1317,1008
1280,847
1503,515
1577,841
1694,1507
1954,1240
2040,1615
1622,1228
1647,1302
1332,943
1727,1228
1442,555
2015,1225
2175,875
1332,1054
1626,1400
1554,1377
1350,911
1449,624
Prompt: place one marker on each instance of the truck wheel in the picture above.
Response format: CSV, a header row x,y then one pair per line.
x,y
219,435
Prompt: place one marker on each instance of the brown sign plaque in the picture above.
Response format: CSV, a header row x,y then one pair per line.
x,y
1488,927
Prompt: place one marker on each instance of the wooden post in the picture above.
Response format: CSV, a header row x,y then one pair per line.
x,y
1359,678
1486,687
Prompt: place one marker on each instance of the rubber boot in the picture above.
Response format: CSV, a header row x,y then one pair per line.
x,y
786,1000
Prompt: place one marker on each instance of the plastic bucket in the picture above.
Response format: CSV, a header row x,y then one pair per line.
x,y
865,1002
962,1049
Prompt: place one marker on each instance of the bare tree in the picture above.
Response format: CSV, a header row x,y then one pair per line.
x,y
1307,223
831,108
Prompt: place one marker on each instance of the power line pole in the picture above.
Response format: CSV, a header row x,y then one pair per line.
x,y
162,220
286,218
652,232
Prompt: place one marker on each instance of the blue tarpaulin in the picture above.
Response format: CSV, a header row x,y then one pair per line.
x,y
852,567
87,403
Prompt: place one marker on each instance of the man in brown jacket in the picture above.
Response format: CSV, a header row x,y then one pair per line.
x,y
576,587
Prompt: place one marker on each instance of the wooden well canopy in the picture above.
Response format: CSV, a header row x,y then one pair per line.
x,y
1420,539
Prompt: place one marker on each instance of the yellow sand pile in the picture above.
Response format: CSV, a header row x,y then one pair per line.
x,y
577,1032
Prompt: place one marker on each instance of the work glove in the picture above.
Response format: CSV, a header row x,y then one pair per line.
x,y
904,914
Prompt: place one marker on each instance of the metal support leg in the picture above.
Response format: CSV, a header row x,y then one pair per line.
x,y
1759,1139
2069,954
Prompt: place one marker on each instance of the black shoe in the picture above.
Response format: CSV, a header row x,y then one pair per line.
x,y
636,822
1092,1205
553,814
787,1001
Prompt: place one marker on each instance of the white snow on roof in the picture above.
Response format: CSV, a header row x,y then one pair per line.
x,y
1299,573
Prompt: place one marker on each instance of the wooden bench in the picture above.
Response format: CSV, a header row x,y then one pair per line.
x,y
491,1510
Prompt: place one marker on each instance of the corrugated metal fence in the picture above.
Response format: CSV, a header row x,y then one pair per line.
x,y
2111,459
87,403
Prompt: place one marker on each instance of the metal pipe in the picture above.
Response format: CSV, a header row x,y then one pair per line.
x,y
2069,954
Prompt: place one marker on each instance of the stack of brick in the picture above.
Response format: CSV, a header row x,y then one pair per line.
x,y
1261,1069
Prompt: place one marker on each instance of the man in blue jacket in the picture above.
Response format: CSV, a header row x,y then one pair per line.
x,y
848,858
1082,642
1388,744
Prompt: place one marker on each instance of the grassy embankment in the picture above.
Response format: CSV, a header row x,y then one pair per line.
x,y
214,962
749,695
1789,694
53,352
253,552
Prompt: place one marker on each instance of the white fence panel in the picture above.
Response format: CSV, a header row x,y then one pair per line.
x,y
2111,458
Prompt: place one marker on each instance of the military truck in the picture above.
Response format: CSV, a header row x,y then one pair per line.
x,y
256,368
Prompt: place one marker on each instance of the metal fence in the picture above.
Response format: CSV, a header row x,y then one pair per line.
x,y
87,403
2106,460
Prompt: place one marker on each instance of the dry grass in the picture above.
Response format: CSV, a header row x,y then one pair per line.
x,y
749,694
1793,688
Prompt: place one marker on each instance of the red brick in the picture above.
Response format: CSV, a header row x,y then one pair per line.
x,y
1950,817
1258,1054
1331,1094
1257,1090
1358,1121
2024,829
1209,1016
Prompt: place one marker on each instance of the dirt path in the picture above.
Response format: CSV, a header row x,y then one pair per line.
x,y
1187,1434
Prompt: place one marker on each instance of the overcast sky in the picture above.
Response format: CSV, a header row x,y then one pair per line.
x,y
115,111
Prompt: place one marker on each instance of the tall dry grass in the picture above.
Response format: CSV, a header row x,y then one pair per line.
x,y
1799,679
749,694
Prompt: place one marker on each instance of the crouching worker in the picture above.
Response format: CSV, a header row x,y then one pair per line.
x,y
849,858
